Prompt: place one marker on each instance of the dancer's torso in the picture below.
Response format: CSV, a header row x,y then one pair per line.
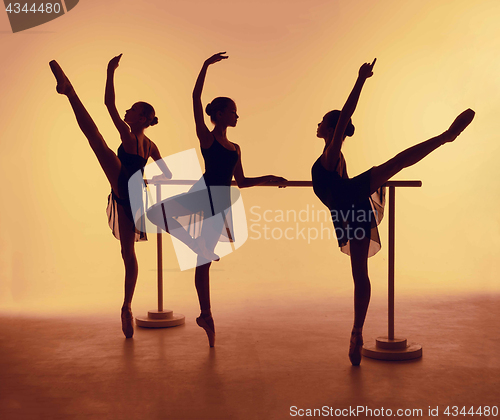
x,y
325,181
131,163
219,164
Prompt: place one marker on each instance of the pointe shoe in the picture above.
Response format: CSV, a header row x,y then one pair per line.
x,y
461,122
355,347
210,333
127,323
201,249
63,84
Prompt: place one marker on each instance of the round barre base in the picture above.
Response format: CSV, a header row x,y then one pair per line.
x,y
392,349
160,319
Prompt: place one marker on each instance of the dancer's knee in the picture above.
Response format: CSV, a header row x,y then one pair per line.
x,y
362,288
202,265
98,144
360,278
128,251
128,257
383,173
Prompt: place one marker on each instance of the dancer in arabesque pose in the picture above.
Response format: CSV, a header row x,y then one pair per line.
x,y
355,203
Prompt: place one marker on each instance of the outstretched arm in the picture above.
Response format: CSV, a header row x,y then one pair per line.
x,y
332,148
156,156
244,182
109,100
202,130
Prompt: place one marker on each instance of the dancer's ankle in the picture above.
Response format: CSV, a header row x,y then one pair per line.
x,y
446,137
206,313
357,330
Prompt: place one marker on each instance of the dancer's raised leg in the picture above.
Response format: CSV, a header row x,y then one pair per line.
x,y
381,174
107,158
163,216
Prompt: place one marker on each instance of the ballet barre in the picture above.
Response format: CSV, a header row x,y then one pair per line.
x,y
385,348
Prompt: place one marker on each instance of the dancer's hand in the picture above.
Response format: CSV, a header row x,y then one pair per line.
x,y
161,177
113,63
276,180
216,58
366,70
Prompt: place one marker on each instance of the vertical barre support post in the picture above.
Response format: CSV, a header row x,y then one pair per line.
x,y
160,318
159,246
392,262
391,348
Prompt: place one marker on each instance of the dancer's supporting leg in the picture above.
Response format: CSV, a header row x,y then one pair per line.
x,y
210,234
381,174
362,291
202,284
127,242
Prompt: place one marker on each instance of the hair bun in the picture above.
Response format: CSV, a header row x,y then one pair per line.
x,y
154,121
349,131
209,109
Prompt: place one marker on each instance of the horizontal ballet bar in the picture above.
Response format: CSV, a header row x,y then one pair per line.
x,y
397,354
279,184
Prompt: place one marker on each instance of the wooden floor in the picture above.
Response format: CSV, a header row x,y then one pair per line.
x,y
270,360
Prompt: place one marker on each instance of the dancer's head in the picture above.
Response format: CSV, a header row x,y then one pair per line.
x,y
148,112
326,127
142,114
222,111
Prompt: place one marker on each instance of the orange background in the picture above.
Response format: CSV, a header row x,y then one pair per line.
x,y
290,62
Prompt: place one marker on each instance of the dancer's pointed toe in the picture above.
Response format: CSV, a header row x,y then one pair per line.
x,y
208,329
355,347
461,122
63,85
127,323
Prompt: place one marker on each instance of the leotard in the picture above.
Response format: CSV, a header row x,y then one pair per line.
x,y
208,197
355,213
219,169
131,163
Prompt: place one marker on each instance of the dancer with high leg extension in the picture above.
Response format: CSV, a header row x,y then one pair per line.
x,y
222,161
350,200
133,153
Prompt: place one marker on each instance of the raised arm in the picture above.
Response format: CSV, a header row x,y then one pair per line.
x,y
109,100
332,148
202,130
